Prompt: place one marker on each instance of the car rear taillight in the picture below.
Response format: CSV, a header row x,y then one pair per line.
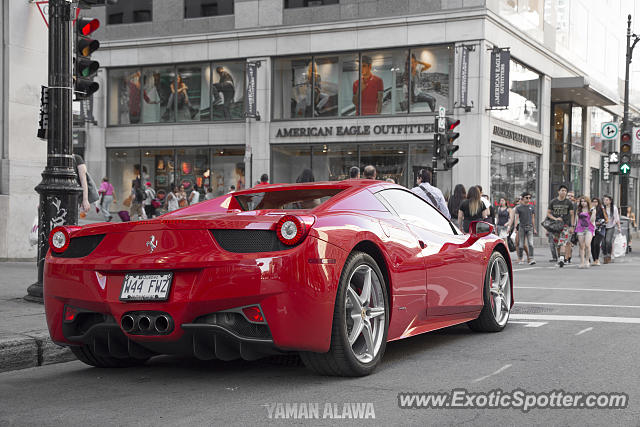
x,y
59,239
253,314
290,229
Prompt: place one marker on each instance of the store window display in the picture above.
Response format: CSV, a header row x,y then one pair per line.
x,y
227,91
156,83
368,91
428,70
192,95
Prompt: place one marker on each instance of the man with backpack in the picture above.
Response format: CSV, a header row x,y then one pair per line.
x,y
137,197
149,197
429,193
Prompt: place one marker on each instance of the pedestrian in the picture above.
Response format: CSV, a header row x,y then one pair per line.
x,y
632,223
561,209
487,205
471,209
171,202
149,196
585,227
613,221
369,172
503,219
354,172
569,249
429,193
81,176
305,176
514,227
600,229
391,180
264,180
525,221
209,195
137,197
459,194
107,193
232,189
194,196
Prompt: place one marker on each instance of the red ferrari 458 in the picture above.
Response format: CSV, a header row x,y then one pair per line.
x,y
331,270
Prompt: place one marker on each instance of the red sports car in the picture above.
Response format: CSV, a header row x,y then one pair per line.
x,y
332,270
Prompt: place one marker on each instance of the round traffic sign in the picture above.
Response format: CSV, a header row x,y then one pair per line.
x,y
609,130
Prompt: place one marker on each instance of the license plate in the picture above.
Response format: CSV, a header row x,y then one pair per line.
x,y
146,287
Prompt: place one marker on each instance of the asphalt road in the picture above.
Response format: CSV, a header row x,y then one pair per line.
x,y
574,330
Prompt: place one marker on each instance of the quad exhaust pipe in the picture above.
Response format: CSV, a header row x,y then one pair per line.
x,y
146,323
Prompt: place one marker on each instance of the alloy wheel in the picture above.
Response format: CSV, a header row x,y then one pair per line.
x,y
500,291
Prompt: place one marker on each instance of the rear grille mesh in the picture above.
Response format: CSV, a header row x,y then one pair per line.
x,y
235,322
80,246
249,241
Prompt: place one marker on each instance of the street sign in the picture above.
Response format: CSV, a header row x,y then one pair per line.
x,y
635,147
625,169
442,124
442,111
609,130
614,157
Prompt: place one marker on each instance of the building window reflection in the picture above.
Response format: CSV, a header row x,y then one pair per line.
x,y
524,97
513,172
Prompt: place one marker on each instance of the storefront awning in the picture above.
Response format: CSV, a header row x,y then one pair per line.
x,y
580,91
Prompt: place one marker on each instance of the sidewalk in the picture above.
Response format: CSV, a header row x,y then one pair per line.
x,y
24,337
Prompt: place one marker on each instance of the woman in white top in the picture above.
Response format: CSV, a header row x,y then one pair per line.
x,y
194,197
172,200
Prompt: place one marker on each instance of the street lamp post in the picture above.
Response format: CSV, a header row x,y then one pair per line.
x,y
626,126
59,188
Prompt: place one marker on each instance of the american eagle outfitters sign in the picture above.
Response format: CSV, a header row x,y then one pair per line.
x,y
499,88
421,128
250,91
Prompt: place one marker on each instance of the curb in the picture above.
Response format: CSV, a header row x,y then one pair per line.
x,y
21,351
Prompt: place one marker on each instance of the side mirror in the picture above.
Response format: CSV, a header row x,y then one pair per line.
x,y
479,229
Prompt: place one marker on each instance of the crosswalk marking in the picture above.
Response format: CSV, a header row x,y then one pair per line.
x,y
575,304
547,317
577,289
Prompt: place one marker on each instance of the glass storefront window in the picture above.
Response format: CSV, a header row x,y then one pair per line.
x,y
388,71
191,93
124,96
191,166
158,167
326,76
288,162
294,81
389,160
350,67
524,97
598,117
430,68
227,91
156,86
227,169
331,162
513,172
124,166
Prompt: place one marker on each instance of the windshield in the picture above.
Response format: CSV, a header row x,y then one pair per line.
x,y
308,198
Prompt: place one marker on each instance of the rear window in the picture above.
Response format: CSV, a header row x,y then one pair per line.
x,y
286,199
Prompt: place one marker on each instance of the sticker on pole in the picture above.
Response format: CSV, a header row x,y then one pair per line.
x,y
609,130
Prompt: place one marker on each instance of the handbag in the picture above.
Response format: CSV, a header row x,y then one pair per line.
x,y
574,238
553,226
127,201
510,243
182,203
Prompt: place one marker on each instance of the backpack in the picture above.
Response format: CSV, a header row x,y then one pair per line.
x,y
139,194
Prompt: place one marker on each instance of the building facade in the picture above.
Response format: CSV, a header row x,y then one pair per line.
x,y
344,83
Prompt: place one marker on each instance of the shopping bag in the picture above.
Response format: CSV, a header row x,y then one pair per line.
x,y
619,246
124,216
511,243
33,234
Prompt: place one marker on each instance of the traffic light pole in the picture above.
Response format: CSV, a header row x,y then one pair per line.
x,y
58,189
626,126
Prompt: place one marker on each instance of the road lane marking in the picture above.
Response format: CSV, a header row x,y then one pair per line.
x,y
529,324
575,304
602,319
584,330
578,289
505,367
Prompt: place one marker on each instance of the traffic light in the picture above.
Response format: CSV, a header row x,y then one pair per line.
x,y
448,147
625,152
85,67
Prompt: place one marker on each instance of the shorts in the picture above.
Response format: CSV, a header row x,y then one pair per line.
x,y
583,233
562,237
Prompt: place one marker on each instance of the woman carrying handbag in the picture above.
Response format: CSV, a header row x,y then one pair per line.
x,y
601,229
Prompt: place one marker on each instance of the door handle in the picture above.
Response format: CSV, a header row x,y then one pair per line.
x,y
422,244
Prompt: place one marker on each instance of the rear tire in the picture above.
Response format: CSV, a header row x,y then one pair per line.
x,y
360,322
497,293
86,355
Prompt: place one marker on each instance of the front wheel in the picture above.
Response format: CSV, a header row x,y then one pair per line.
x,y
497,297
360,322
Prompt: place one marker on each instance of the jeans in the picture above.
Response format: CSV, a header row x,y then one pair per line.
x,y
104,206
595,245
525,235
552,246
608,241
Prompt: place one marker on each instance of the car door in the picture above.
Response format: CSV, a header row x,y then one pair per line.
x,y
449,275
